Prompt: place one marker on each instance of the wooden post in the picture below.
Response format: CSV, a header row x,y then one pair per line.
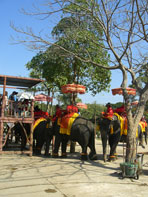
x,y
3,102
31,128
1,136
2,116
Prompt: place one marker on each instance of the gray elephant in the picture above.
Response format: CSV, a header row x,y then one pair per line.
x,y
106,136
82,131
42,135
114,137
140,136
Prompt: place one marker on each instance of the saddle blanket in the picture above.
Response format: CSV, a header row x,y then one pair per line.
x,y
123,125
66,123
37,122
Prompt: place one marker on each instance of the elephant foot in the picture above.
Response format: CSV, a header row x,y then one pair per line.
x,y
37,153
64,155
84,156
55,155
72,151
116,155
112,158
47,154
94,157
140,144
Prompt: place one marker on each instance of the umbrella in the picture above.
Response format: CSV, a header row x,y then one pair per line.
x,y
134,103
81,105
73,88
25,95
119,91
43,97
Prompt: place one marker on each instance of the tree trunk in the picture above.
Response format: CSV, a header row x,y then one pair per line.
x,y
131,146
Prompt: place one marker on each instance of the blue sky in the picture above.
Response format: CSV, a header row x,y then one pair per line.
x,y
13,57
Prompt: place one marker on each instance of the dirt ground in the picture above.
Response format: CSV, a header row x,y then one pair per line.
x,y
25,176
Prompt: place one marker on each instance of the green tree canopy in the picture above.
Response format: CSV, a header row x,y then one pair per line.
x,y
60,67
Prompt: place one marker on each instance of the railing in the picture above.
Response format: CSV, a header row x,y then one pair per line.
x,y
17,109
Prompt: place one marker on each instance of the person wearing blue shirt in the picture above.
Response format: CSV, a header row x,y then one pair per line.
x,y
13,98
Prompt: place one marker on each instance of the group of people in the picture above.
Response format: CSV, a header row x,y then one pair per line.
x,y
9,101
110,111
70,109
38,113
120,110
60,112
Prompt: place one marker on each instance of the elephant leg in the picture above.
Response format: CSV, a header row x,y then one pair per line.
x,y
141,140
34,145
91,145
84,153
39,145
72,147
64,146
23,141
104,144
58,140
48,142
113,142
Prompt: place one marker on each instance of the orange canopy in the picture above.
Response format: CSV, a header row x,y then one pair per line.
x,y
119,91
82,105
43,97
73,88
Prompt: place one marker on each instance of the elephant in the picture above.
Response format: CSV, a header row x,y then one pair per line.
x,y
139,138
82,131
41,135
106,136
114,137
18,132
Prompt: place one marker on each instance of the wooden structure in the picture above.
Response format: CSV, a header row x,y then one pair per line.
x,y
16,83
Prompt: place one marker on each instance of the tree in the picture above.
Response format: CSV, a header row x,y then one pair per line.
x,y
35,65
93,111
125,37
66,32
60,68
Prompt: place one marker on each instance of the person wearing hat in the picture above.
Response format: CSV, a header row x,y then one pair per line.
x,y
120,110
109,112
13,99
13,96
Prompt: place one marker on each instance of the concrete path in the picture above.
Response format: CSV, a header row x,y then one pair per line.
x,y
24,176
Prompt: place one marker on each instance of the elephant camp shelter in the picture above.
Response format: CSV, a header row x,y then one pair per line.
x,y
8,118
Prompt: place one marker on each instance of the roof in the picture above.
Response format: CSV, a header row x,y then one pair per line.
x,y
19,81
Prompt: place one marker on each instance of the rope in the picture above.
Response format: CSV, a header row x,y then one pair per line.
x,y
9,131
25,133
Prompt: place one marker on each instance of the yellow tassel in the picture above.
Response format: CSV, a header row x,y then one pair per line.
x,y
111,130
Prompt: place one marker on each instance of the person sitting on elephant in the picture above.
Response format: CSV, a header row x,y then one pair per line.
x,y
143,119
143,123
67,118
109,112
59,112
120,110
71,109
38,113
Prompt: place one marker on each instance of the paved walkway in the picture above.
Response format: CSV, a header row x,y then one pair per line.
x,y
24,176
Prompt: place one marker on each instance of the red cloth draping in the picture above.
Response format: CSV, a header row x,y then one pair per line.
x,y
109,113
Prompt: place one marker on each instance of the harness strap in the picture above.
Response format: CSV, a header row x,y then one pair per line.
x,y
83,153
